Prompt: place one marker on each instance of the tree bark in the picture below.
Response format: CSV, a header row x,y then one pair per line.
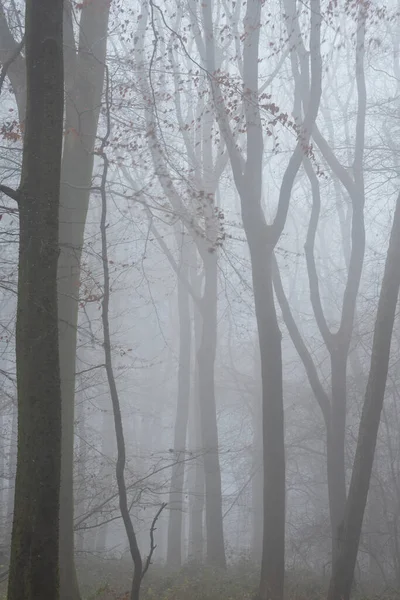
x,y
34,547
11,472
350,529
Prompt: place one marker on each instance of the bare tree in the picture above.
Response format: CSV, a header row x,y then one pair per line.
x,y
350,528
262,239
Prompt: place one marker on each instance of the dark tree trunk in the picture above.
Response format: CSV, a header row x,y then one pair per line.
x,y
34,548
350,529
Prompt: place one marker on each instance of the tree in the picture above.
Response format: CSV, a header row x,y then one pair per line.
x,y
140,566
350,528
34,547
262,239
203,222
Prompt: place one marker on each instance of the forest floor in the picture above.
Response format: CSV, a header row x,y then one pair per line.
x,y
110,579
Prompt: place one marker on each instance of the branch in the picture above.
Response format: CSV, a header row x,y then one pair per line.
x,y
302,147
153,546
236,158
298,342
173,262
13,194
16,67
9,61
315,295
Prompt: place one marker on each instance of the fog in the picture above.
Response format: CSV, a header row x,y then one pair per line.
x,y
229,184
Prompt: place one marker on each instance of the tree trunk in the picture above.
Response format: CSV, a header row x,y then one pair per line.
x,y
107,468
208,417
83,103
34,547
335,437
196,480
350,529
174,547
257,466
272,567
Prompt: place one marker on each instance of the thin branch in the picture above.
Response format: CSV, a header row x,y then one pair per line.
x,y
298,342
153,546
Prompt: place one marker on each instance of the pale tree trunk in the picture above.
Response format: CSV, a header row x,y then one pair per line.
x,y
196,481
350,528
208,415
34,547
84,83
175,504
257,465
106,472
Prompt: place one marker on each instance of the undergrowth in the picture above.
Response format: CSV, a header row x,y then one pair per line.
x,y
110,579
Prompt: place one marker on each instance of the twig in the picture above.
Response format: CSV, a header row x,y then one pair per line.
x,y
153,546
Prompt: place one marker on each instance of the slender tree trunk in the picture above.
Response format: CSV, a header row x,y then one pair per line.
x,y
336,434
106,473
174,547
34,547
257,473
208,417
196,481
350,529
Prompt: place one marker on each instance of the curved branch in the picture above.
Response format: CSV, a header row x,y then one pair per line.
x,y
309,246
9,61
302,147
298,342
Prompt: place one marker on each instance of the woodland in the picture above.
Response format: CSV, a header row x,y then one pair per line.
x,y
199,281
